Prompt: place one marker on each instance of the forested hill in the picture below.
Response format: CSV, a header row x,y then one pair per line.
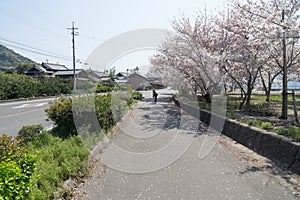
x,y
10,58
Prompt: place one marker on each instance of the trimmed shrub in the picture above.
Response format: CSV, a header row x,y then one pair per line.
x,y
60,112
14,86
27,132
106,86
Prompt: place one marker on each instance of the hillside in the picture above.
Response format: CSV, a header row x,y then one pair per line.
x,y
10,58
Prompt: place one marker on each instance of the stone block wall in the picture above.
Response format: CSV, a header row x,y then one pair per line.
x,y
277,148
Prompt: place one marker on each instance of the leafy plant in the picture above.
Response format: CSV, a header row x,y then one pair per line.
x,y
16,169
27,132
104,87
60,112
14,85
266,126
57,160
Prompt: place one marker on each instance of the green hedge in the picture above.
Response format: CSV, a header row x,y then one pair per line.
x,y
109,110
104,87
14,86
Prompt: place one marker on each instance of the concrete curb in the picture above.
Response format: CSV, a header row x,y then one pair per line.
x,y
277,148
32,98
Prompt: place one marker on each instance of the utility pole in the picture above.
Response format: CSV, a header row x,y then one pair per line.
x,y
284,74
284,61
74,62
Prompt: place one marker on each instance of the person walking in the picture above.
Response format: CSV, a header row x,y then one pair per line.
x,y
155,96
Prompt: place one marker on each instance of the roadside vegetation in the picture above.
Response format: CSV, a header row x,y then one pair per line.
x,y
36,163
14,86
259,113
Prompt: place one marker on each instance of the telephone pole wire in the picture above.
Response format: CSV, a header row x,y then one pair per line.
x,y
74,61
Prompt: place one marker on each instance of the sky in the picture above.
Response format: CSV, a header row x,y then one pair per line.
x,y
30,26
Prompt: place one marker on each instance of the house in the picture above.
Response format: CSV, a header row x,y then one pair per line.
x,y
46,70
137,81
79,73
97,76
55,70
6,69
38,71
155,80
122,75
54,67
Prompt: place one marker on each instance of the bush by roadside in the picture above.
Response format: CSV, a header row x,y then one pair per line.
x,y
27,132
17,166
14,86
109,109
57,160
35,164
37,168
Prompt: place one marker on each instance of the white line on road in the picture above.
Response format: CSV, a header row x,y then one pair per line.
x,y
30,105
21,106
26,101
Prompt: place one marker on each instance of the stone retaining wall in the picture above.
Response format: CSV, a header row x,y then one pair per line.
x,y
275,147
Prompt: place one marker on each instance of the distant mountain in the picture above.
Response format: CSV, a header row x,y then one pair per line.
x,y
9,58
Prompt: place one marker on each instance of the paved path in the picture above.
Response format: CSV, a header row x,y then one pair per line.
x,y
154,155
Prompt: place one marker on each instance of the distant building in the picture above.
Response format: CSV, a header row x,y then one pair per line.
x,y
54,67
97,76
154,80
38,71
6,69
121,75
55,70
137,81
80,74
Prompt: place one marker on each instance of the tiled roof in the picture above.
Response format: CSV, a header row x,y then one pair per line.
x,y
139,74
100,74
40,69
54,67
66,73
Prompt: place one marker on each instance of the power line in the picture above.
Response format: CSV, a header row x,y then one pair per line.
x,y
33,51
34,48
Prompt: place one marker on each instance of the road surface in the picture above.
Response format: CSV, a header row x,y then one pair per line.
x,y
14,115
154,155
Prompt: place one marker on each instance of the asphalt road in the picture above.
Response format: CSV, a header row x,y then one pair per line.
x,y
14,115
154,154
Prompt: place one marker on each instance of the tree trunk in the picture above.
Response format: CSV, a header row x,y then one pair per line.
x,y
207,97
249,92
268,92
248,96
242,102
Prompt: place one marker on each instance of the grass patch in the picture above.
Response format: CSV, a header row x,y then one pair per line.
x,y
291,132
57,160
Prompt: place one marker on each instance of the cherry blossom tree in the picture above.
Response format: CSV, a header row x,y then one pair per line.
x,y
285,24
247,47
244,44
190,52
